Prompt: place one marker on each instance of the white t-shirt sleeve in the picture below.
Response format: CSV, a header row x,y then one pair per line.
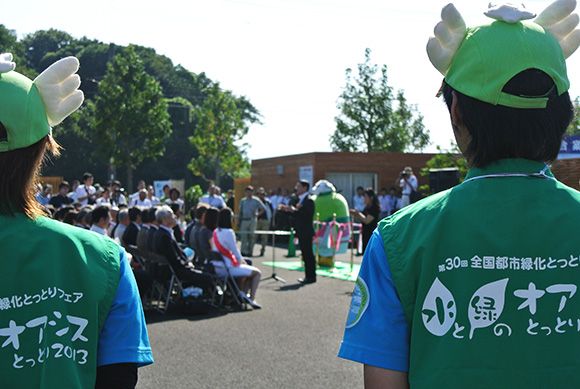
x,y
82,192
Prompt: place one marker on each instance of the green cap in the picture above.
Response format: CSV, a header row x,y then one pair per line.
x,y
491,55
22,112
29,109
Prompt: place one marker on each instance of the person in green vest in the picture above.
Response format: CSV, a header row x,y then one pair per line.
x,y
476,287
70,312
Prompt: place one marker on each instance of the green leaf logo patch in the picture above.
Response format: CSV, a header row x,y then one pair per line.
x,y
359,303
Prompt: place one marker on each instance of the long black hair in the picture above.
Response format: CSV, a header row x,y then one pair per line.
x,y
374,200
225,218
210,220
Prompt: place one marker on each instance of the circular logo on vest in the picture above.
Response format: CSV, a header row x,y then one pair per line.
x,y
359,303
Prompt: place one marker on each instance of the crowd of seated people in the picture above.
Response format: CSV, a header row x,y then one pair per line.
x,y
157,226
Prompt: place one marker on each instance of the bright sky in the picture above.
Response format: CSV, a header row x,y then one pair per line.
x,y
287,56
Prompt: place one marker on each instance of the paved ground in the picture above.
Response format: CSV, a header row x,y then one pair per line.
x,y
291,343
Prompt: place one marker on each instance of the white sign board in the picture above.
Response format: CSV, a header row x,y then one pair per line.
x,y
158,185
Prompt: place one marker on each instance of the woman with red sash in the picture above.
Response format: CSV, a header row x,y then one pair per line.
x,y
224,242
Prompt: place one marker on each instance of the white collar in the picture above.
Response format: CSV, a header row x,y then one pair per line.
x,y
98,229
302,197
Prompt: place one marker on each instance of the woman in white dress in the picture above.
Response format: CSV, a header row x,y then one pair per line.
x,y
224,242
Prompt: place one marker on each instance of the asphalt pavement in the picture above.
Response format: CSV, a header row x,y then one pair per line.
x,y
291,343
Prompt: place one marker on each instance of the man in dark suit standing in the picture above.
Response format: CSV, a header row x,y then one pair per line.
x,y
303,214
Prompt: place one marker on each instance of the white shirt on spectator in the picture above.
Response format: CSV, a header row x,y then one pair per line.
x,y
393,203
141,203
119,232
103,201
227,239
409,186
72,195
285,200
82,191
275,201
178,202
99,230
213,201
154,201
384,203
134,196
358,203
121,199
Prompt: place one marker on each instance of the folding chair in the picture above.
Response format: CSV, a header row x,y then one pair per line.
x,y
227,284
164,287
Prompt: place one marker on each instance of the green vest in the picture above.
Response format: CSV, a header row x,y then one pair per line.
x,y
57,285
487,273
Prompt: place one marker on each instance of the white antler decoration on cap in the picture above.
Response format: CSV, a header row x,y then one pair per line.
x,y
6,64
449,33
58,86
509,13
559,20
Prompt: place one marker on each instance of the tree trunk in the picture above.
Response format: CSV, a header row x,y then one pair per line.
x,y
129,183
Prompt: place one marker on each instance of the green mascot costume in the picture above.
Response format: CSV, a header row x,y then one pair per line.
x,y
333,227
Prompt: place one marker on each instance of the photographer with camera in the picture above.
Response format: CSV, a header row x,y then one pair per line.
x,y
117,196
408,183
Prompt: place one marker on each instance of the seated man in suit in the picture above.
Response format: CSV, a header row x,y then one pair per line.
x,y
153,228
164,244
143,233
130,234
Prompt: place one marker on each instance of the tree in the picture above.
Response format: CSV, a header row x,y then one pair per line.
x,y
132,122
45,42
446,159
183,90
574,128
219,126
373,117
9,44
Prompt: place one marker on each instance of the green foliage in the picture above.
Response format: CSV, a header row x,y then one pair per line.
x,y
132,122
574,128
193,194
375,118
9,44
219,126
182,90
45,43
446,159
